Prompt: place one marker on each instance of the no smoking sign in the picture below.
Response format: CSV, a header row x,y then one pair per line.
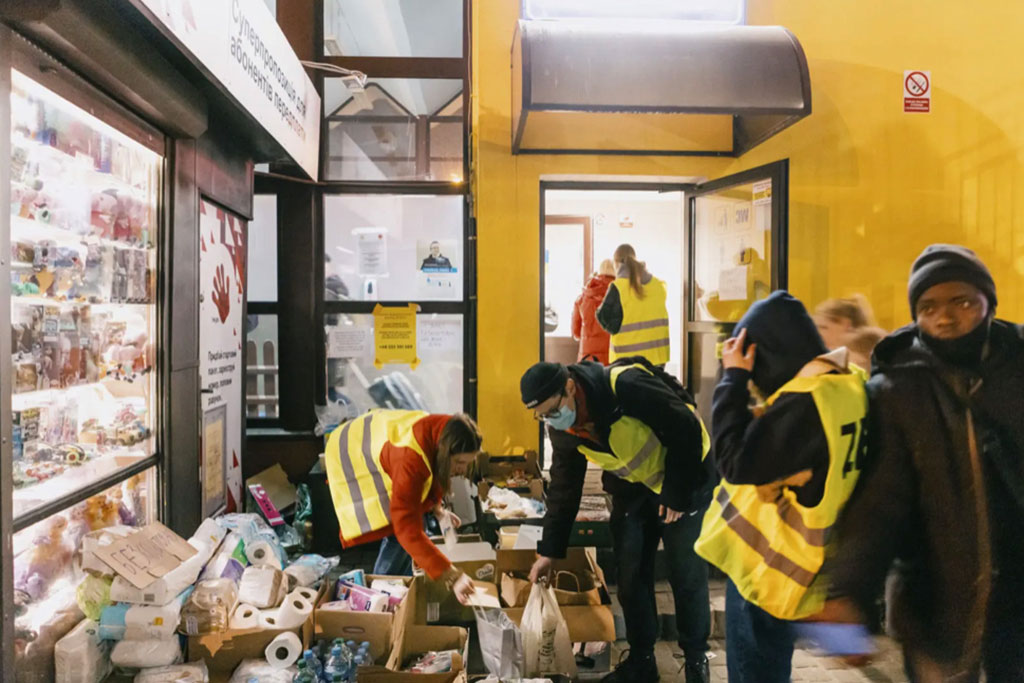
x,y
917,91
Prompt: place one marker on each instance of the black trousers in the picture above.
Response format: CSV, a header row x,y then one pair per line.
x,y
636,531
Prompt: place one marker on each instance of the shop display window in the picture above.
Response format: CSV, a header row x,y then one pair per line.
x,y
393,28
355,385
84,224
394,129
393,247
51,566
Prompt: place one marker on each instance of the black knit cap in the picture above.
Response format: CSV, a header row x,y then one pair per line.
x,y
541,382
941,263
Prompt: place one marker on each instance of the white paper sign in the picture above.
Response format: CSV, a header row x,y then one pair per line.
x,y
239,44
371,251
732,284
347,342
439,335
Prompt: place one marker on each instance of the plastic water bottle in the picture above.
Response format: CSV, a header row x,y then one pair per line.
x,y
313,665
302,675
334,663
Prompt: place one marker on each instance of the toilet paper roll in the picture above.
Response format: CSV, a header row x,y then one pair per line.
x,y
283,650
292,613
307,593
245,617
261,554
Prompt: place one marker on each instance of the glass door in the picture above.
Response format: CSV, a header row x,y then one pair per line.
x,y
84,236
737,239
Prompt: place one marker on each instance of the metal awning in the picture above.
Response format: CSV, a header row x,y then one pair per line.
x,y
669,88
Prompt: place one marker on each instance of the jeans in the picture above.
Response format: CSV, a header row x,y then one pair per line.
x,y
758,646
636,530
392,560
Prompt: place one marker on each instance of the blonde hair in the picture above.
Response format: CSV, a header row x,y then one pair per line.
x,y
863,340
856,309
607,267
626,255
459,435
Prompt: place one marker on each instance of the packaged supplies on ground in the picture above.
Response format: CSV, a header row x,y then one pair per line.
x,y
124,621
262,546
82,656
262,671
229,562
308,569
196,672
263,587
209,608
142,654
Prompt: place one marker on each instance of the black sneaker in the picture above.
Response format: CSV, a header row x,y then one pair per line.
x,y
697,671
635,670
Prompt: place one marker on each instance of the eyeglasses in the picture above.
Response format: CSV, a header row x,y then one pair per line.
x,y
553,412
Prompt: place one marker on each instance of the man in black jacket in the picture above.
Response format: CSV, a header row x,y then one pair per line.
x,y
587,407
943,493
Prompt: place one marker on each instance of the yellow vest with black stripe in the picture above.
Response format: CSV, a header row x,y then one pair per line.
x,y
637,453
644,330
766,542
360,488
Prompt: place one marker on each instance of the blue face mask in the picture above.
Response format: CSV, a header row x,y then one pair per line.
x,y
563,419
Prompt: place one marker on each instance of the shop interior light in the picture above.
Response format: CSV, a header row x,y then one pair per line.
x,y
699,11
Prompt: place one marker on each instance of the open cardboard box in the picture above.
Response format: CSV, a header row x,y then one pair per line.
x,y
377,628
223,652
497,468
436,603
587,623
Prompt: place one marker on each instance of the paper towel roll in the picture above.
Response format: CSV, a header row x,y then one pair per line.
x,y
307,593
292,613
283,650
261,554
245,617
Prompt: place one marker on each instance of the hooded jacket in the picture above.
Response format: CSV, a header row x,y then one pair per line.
x,y
687,485
594,340
789,436
952,516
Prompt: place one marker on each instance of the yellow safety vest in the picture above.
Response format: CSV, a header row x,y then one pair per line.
x,y
644,330
360,488
767,543
637,453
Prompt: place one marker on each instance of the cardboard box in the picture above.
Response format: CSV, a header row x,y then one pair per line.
x,y
437,604
223,652
377,628
587,623
414,640
495,469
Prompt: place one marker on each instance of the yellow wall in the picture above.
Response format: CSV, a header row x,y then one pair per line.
x,y
870,186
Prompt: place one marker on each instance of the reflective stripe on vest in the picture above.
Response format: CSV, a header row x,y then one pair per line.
x,y
360,487
644,329
772,547
637,454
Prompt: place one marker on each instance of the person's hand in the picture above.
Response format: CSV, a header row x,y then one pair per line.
x,y
454,518
843,611
733,355
668,514
463,589
541,569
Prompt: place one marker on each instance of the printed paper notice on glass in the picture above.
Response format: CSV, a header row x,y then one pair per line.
x,y
732,284
347,342
214,427
371,251
394,335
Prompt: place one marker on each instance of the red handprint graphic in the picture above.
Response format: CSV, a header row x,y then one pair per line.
x,y
221,284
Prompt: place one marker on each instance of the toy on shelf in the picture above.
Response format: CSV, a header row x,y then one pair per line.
x,y
49,556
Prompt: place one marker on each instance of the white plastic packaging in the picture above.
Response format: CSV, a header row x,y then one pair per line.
x,y
142,622
160,592
309,569
262,587
196,672
262,672
143,654
80,656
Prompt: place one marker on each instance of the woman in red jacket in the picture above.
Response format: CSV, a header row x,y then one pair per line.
x,y
386,470
593,338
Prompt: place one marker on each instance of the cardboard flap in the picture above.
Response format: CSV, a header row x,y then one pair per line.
x,y
146,555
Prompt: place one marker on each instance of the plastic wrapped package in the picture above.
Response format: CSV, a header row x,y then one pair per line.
x,y
93,594
124,621
263,672
259,538
195,672
144,654
80,656
262,587
229,562
309,569
209,607
432,662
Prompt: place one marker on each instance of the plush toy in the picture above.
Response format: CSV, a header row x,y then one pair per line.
x,y
37,569
104,209
122,219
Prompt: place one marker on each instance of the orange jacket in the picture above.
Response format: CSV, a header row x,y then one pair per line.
x,y
593,338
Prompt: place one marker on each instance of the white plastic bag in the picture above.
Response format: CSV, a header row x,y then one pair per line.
x,y
501,643
262,672
546,642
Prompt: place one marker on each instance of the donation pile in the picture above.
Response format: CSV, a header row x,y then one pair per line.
x,y
507,504
351,594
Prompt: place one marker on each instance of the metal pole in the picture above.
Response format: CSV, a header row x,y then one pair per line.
x,y
6,456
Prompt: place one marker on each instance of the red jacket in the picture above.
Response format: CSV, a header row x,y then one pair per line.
x,y
408,473
594,340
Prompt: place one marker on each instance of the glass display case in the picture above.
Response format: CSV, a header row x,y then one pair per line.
x,y
84,240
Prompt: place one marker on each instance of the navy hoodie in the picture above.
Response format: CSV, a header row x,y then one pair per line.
x,y
789,436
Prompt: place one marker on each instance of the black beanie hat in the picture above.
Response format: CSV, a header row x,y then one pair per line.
x,y
541,382
941,263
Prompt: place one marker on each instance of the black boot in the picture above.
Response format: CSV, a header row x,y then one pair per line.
x,y
697,670
635,670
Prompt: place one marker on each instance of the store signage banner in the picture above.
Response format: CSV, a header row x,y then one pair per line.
x,y
394,335
239,44
222,244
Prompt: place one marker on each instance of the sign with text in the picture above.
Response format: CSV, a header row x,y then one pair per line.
x,y
239,44
394,335
146,555
917,91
